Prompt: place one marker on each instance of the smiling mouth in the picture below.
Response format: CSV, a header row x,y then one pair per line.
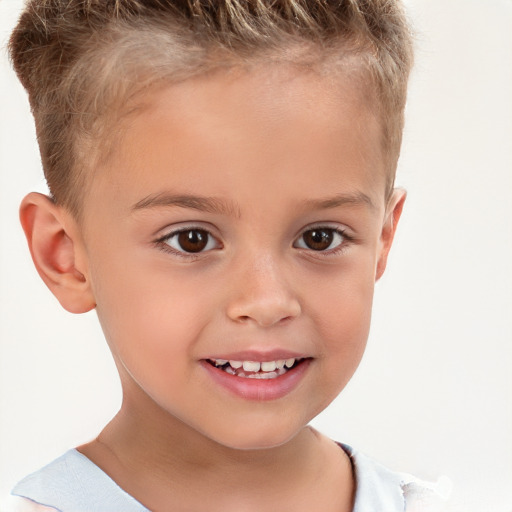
x,y
256,369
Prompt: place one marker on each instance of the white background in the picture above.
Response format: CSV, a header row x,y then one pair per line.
x,y
434,393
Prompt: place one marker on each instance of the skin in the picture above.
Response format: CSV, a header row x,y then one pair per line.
x,y
273,146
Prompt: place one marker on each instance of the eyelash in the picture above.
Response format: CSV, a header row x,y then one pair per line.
x,y
162,242
340,248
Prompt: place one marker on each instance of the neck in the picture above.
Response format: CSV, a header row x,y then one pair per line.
x,y
158,459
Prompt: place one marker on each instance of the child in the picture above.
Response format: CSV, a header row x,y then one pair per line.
x,y
221,178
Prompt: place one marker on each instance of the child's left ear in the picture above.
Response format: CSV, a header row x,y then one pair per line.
x,y
393,212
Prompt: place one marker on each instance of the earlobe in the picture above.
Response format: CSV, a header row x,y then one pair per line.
x,y
393,213
52,238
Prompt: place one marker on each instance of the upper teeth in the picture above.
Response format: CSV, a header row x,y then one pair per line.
x,y
251,366
256,366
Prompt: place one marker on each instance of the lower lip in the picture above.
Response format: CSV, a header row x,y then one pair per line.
x,y
259,389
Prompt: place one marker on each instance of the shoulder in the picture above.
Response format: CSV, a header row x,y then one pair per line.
x,y
19,504
379,488
73,483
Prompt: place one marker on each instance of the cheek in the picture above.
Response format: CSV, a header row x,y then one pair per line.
x,y
343,301
342,316
149,315
347,315
153,332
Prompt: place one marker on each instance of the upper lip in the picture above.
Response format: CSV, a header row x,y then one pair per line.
x,y
258,355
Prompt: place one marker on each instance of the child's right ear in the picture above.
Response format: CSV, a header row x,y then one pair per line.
x,y
54,241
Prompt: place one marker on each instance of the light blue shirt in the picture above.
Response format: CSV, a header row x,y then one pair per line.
x,y
73,483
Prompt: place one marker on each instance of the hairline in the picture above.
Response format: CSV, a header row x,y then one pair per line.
x,y
99,150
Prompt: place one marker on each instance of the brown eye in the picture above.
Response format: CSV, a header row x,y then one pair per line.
x,y
191,241
320,239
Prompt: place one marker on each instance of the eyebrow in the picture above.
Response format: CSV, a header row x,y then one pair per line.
x,y
355,199
201,203
223,207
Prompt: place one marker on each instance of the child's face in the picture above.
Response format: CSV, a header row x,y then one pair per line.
x,y
275,181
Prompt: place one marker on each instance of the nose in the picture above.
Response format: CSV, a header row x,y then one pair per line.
x,y
262,295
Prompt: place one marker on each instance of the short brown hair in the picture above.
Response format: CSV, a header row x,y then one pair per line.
x,y
78,59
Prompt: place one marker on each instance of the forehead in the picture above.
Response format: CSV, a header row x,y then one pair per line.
x,y
275,120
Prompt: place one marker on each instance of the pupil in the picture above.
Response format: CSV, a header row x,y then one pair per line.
x,y
193,240
318,239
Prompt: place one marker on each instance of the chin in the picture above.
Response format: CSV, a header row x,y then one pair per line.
x,y
258,438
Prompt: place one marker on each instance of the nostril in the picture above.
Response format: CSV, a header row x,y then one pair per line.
x,y
266,310
263,321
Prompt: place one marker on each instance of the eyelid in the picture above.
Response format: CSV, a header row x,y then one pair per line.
x,y
171,229
161,241
335,226
169,232
342,230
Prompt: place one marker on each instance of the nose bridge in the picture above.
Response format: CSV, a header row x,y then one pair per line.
x,y
262,291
